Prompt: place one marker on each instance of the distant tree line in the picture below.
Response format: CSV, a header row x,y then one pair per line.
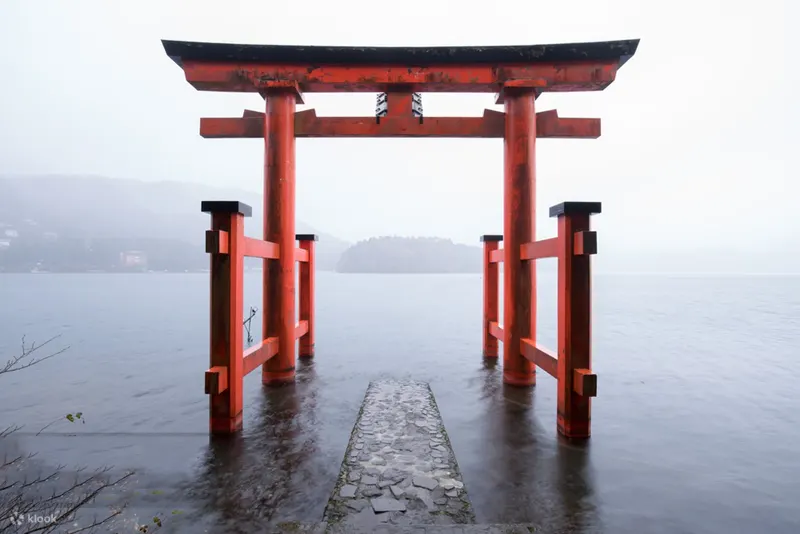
x,y
101,254
62,223
391,254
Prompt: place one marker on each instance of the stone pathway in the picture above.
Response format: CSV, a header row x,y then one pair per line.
x,y
399,467
324,528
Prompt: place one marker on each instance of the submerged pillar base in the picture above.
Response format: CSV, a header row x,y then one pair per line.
x,y
225,425
519,379
276,378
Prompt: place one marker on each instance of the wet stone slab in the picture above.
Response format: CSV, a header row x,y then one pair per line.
x,y
324,528
400,462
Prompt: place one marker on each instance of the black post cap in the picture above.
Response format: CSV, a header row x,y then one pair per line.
x,y
226,206
575,208
307,237
491,237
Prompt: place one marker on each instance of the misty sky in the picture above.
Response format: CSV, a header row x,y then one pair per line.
x,y
695,128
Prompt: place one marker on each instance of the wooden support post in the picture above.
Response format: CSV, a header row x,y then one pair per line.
x,y
279,198
399,123
491,281
519,278
574,318
225,382
307,293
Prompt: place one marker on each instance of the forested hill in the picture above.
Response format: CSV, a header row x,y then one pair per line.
x,y
81,223
410,255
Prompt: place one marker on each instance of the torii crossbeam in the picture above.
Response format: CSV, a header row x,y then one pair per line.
x,y
519,75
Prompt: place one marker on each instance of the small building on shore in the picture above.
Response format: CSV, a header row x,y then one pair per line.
x,y
133,259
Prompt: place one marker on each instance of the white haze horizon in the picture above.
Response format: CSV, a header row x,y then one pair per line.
x,y
691,166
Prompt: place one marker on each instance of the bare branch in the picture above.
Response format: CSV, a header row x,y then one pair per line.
x,y
9,430
18,504
14,364
88,498
40,480
96,523
20,495
7,462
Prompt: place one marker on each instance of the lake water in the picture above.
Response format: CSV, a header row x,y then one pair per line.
x,y
696,427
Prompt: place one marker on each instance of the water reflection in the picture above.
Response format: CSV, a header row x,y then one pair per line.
x,y
246,482
575,485
492,378
533,478
728,467
516,435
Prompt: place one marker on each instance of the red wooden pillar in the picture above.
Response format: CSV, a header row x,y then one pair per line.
x,y
307,292
224,379
279,197
491,281
576,384
519,310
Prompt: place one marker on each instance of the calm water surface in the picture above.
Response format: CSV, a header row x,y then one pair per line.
x,y
696,427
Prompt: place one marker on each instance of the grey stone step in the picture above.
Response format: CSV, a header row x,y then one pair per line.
x,y
399,467
324,528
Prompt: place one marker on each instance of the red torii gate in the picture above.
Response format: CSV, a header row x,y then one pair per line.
x,y
519,75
